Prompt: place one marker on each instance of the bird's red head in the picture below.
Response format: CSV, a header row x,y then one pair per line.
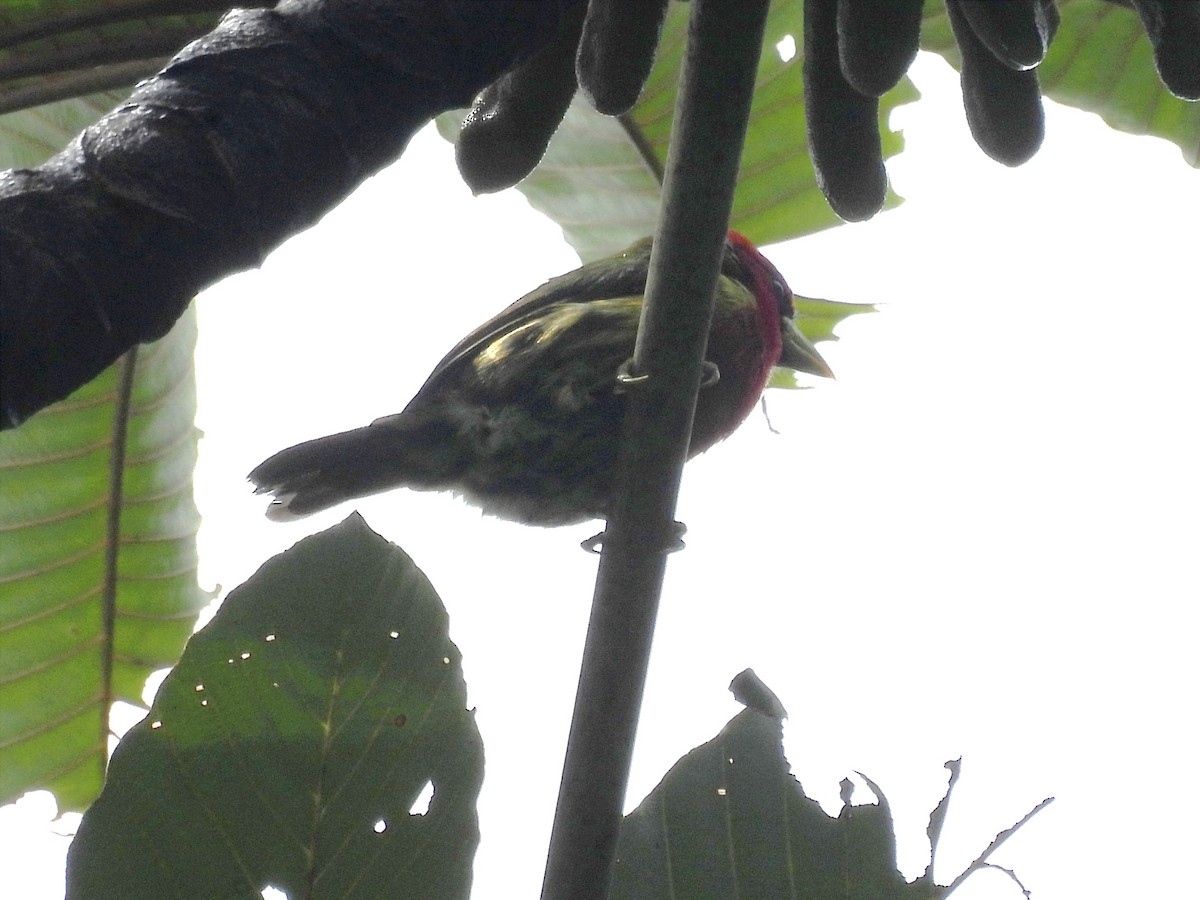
x,y
772,293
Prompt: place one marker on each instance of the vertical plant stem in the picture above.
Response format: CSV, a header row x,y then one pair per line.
x,y
711,115
122,409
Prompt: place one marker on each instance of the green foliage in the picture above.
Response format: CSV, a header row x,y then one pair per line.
x,y
80,628
290,742
601,176
66,652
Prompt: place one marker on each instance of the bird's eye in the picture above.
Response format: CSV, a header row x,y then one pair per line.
x,y
783,295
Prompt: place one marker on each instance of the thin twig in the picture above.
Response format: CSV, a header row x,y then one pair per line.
x,y
101,52
78,84
981,861
1011,874
642,145
65,21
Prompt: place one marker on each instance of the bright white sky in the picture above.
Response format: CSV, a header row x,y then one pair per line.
x,y
980,541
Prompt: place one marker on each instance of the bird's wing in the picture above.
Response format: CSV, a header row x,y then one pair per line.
x,y
562,353
555,302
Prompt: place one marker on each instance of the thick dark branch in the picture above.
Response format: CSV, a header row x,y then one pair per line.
x,y
724,42
250,135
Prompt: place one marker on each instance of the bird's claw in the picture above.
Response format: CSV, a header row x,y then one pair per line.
x,y
593,544
710,374
674,542
626,379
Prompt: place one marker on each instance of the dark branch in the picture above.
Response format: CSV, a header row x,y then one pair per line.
x,y
717,84
242,141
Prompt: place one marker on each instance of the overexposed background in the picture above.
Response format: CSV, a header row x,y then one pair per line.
x,y
979,541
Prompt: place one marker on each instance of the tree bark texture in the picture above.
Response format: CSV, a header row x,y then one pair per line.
x,y
248,136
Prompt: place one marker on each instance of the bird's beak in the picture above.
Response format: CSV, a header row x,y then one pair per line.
x,y
799,353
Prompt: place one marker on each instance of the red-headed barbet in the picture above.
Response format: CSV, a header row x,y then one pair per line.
x,y
523,417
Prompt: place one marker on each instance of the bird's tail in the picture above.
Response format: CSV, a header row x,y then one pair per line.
x,y
321,473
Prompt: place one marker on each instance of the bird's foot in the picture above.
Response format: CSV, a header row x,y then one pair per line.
x,y
674,541
710,374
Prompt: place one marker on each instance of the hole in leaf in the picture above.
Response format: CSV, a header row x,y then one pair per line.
x,y
270,892
786,48
380,826
420,806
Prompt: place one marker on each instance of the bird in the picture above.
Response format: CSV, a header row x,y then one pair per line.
x,y
522,418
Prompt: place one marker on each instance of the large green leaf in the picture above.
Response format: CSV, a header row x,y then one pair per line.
x,y
1100,61
600,177
288,746
97,564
